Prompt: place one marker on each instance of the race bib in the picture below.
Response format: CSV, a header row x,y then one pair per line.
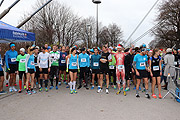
x,y
83,60
74,64
142,64
155,68
96,64
22,60
32,62
111,67
63,61
13,59
175,63
120,67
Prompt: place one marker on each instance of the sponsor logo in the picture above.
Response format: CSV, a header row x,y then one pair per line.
x,y
19,34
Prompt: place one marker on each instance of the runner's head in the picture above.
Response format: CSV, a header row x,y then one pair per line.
x,y
12,46
104,49
169,51
36,51
54,48
63,48
31,50
73,51
119,48
83,50
96,51
43,49
143,51
22,51
156,52
175,51
46,46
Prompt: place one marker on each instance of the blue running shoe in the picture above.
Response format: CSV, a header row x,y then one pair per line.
x,y
67,86
28,92
74,91
56,87
134,88
92,87
51,87
99,87
36,83
33,91
46,89
59,83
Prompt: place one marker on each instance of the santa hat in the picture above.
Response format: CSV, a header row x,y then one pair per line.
x,y
119,46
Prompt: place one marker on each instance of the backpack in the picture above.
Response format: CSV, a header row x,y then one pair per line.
x,y
177,91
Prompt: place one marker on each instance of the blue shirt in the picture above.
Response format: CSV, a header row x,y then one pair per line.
x,y
11,57
84,60
1,63
62,60
95,59
140,61
30,62
73,62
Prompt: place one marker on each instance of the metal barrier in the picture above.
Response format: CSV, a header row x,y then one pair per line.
x,y
174,83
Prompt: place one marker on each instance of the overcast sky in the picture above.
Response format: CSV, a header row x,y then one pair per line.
x,y
125,13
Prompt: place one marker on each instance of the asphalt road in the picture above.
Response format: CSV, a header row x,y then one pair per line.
x,y
86,105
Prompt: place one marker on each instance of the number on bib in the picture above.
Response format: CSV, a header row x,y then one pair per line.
x,y
96,64
142,64
63,61
111,67
83,60
155,68
74,64
22,60
13,59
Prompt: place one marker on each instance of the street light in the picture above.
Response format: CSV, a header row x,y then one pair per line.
x,y
97,36
88,31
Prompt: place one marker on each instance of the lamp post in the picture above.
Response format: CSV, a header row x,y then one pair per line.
x,y
97,36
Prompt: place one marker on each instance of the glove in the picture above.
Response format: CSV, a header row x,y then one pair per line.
x,y
66,69
78,70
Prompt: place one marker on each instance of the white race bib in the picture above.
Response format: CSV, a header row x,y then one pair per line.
x,y
83,60
13,59
63,61
142,64
155,68
120,67
96,64
74,64
111,67
175,63
22,60
32,62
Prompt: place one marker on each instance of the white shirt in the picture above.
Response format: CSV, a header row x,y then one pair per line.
x,y
43,59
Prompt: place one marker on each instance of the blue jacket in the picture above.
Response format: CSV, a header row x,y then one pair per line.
x,y
95,59
84,60
10,57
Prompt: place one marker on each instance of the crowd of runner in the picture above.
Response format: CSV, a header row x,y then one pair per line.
x,y
107,67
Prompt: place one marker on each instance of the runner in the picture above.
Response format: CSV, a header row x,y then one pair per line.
x,y
11,65
30,70
54,66
73,69
62,64
1,76
21,60
104,69
155,71
140,64
43,61
36,53
84,65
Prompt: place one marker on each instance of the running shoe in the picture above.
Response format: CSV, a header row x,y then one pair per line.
x,y
67,86
33,91
124,92
6,84
14,89
99,90
134,88
79,87
160,97
10,89
3,92
118,92
144,90
25,87
92,87
19,91
59,83
121,88
74,91
99,87
71,92
56,87
137,95
154,96
39,86
40,89
127,89
36,83
107,91
147,96
51,87
115,87
87,88
46,89
28,92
